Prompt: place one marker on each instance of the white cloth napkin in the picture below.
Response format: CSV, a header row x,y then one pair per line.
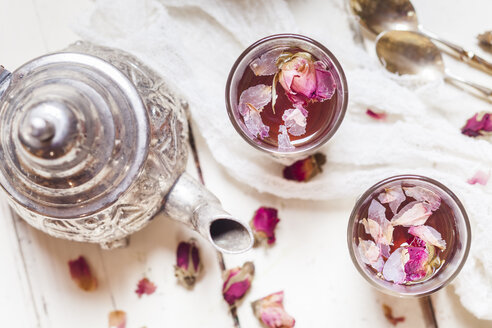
x,y
193,43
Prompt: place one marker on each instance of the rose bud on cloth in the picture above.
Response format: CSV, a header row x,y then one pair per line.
x,y
263,224
305,169
270,311
81,274
237,282
188,264
117,319
145,286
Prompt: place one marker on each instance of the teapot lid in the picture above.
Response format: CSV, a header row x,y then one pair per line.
x,y
74,135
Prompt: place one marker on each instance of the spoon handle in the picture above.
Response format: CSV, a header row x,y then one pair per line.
x,y
464,55
487,92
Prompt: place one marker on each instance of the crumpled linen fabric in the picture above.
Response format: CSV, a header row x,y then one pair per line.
x,y
193,44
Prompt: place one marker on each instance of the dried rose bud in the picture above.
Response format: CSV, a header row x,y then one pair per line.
x,y
485,38
237,282
477,125
270,311
81,274
188,265
305,169
145,286
263,224
376,115
117,319
388,313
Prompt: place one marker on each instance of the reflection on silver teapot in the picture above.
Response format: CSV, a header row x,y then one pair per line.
x,y
93,145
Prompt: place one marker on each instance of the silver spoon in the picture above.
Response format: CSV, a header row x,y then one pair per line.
x,y
406,52
385,15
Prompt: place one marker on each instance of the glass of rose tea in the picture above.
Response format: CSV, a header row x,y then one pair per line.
x,y
287,95
409,235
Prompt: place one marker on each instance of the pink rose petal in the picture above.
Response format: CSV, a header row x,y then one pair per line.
x,y
415,267
428,235
394,268
376,115
477,125
257,96
413,214
377,225
480,177
284,143
295,121
422,194
392,196
370,254
325,83
266,64
237,282
254,124
270,311
82,275
188,265
117,319
263,224
145,286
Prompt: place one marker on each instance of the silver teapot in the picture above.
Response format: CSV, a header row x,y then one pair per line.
x,y
93,144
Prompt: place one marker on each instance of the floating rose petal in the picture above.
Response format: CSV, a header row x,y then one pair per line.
x,y
376,115
188,265
263,224
270,311
257,96
477,125
413,214
325,83
254,124
81,274
145,286
388,313
429,235
117,319
394,268
422,194
415,267
237,282
392,196
377,225
305,169
295,121
370,254
284,143
480,177
266,64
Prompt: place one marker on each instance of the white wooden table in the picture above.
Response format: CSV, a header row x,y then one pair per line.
x,y
309,262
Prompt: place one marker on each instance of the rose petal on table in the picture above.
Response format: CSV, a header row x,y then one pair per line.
x,y
237,282
413,214
145,286
117,319
270,311
325,83
295,121
415,267
388,313
394,268
422,194
264,223
305,169
81,274
266,64
376,115
478,125
480,177
284,143
393,196
257,96
188,265
429,235
370,254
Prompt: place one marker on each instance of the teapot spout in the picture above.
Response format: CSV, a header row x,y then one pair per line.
x,y
4,80
191,203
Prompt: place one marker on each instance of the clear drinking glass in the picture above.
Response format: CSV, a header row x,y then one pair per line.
x,y
327,123
454,226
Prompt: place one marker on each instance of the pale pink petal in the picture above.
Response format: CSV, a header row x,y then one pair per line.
x,y
376,211
394,268
325,83
370,254
428,235
385,250
295,121
413,214
270,311
266,64
381,233
257,96
422,194
392,196
254,124
284,143
480,177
